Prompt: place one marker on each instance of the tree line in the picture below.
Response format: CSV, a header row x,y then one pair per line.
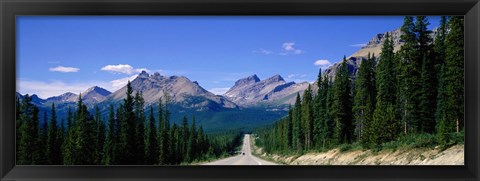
x,y
131,136
416,90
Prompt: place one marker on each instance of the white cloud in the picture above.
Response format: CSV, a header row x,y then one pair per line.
x,y
122,68
263,51
219,91
64,69
46,89
359,45
298,52
289,48
119,83
322,63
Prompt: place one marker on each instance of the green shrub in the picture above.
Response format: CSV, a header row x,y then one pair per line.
x,y
345,147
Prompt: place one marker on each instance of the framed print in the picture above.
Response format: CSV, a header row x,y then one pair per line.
x,y
257,90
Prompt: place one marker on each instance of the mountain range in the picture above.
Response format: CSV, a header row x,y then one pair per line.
x,y
274,91
260,101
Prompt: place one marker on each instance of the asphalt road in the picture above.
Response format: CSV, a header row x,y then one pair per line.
x,y
247,159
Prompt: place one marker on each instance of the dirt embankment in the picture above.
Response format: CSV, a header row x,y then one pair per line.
x,y
419,156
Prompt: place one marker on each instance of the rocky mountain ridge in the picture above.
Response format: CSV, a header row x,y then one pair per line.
x,y
374,47
251,91
183,91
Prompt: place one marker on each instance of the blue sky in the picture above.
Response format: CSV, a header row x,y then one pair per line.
x,y
58,54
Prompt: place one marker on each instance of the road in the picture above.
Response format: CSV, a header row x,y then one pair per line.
x,y
247,159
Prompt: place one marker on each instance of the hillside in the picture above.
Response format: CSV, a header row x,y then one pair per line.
x,y
417,156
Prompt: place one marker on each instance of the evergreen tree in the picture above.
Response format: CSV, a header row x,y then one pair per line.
x,y
342,105
109,146
163,135
174,146
139,104
290,128
384,126
43,140
69,118
191,145
28,144
183,139
297,128
307,117
99,137
439,45
151,143
318,105
450,107
53,147
127,135
60,141
364,99
72,142
201,142
328,130
428,78
409,66
86,135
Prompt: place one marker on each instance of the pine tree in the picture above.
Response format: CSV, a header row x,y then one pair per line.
x,y
307,117
139,103
109,146
28,144
297,128
364,99
53,147
428,78
183,139
201,144
450,107
163,135
290,127
342,105
384,125
69,118
174,146
192,146
151,143
328,130
318,105
86,136
439,45
99,137
127,135
409,66
427,97
60,141
43,140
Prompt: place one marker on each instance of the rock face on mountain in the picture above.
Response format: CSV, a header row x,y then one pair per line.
x,y
35,99
95,94
67,97
181,90
250,91
374,46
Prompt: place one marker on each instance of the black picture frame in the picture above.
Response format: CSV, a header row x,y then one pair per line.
x,y
11,8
